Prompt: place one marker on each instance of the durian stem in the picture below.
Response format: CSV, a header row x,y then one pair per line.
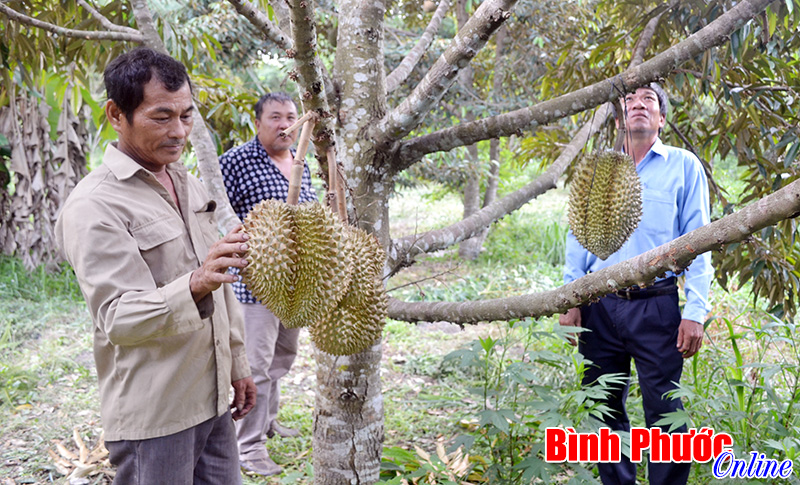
x,y
297,124
336,186
620,142
299,163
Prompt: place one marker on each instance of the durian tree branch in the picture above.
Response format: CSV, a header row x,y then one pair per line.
x,y
104,21
402,71
640,270
403,250
297,124
262,23
518,121
299,163
468,41
77,34
310,78
336,186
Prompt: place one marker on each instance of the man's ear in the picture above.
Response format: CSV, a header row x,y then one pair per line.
x,y
114,115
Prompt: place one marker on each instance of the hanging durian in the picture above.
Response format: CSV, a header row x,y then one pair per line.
x,y
311,270
605,201
358,320
298,264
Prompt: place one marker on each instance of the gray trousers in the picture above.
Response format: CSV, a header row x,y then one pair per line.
x,y
271,350
201,455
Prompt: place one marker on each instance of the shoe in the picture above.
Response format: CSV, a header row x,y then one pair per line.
x,y
261,466
282,431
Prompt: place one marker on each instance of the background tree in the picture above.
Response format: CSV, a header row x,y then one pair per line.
x,y
732,97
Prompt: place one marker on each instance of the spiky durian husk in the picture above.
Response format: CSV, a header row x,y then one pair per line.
x,y
272,254
605,201
298,263
323,268
358,320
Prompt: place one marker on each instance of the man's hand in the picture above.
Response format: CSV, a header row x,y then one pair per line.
x,y
244,397
223,254
690,337
571,319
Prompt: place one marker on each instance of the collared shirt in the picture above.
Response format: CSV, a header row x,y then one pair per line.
x,y
674,202
164,363
250,176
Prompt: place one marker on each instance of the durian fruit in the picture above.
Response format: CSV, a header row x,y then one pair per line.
x,y
358,320
605,201
298,263
323,267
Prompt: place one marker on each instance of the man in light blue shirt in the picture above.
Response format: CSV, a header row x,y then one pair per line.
x,y
646,324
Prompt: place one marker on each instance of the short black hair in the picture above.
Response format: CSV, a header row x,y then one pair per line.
x,y
663,102
126,76
276,97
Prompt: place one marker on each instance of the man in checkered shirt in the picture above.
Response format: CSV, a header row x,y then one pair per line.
x,y
255,171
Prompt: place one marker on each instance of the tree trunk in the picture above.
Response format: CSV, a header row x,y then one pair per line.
x,y
348,418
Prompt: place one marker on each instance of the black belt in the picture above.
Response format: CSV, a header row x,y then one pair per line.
x,y
663,287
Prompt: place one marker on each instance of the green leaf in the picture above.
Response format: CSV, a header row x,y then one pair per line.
x,y
791,154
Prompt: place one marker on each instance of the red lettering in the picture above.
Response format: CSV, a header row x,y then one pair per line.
x,y
640,440
610,446
555,448
589,447
661,446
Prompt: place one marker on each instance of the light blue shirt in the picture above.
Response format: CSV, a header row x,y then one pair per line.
x,y
674,202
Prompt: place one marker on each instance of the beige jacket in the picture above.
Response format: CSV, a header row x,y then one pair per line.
x,y
164,363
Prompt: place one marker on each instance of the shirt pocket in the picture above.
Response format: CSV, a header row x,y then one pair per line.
x,y
658,214
162,248
208,225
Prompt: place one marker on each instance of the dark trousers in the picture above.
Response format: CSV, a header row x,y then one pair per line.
x,y
647,330
203,454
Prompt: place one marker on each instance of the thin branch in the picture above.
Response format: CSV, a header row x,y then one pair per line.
x,y
104,21
641,270
519,121
432,277
77,34
402,71
262,23
297,124
404,250
299,163
645,39
408,115
310,77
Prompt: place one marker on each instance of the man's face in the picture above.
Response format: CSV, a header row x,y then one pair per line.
x,y
156,135
276,117
643,114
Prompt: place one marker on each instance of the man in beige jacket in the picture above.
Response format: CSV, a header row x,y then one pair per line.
x,y
140,234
